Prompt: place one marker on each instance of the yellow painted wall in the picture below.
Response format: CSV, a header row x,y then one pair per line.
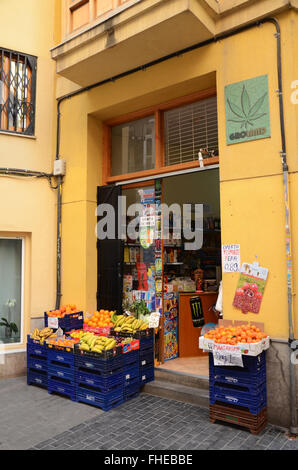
x,y
252,207
28,205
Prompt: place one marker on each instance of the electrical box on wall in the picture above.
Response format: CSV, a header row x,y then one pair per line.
x,y
59,168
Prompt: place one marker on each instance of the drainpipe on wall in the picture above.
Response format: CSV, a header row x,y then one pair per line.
x,y
293,427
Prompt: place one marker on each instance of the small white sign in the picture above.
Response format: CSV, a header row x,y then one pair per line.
x,y
231,258
154,320
53,322
226,355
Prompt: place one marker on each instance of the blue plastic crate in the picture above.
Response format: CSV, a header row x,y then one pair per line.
x,y
146,375
37,363
248,391
255,404
131,375
56,357
106,401
34,347
103,366
147,343
37,378
94,379
146,359
132,358
132,391
251,364
61,387
241,378
62,372
69,322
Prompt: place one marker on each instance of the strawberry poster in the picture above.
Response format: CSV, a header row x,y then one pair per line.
x,y
250,288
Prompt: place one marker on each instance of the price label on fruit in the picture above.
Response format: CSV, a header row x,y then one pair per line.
x,y
225,355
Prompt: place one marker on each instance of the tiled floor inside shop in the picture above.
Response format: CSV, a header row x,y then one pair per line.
x,y
33,419
188,365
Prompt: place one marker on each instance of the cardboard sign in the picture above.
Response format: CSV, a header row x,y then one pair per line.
x,y
226,355
230,258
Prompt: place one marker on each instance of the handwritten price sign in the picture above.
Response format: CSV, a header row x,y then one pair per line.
x,y
225,355
231,258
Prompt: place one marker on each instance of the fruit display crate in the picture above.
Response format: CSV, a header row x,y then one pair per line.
x,y
246,349
104,356
62,387
131,359
245,380
147,358
146,375
105,401
95,379
131,391
137,335
131,376
71,321
37,378
236,415
253,403
63,371
35,347
102,367
37,363
252,365
147,343
57,357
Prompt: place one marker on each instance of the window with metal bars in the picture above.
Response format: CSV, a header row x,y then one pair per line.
x,y
190,129
17,92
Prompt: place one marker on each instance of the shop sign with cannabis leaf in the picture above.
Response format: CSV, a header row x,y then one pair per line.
x,y
247,110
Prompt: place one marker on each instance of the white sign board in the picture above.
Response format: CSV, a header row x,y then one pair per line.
x,y
154,320
231,258
226,355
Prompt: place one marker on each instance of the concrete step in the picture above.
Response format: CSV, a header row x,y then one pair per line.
x,y
179,392
181,378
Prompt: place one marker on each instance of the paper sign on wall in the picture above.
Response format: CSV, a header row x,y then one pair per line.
x,y
250,288
231,258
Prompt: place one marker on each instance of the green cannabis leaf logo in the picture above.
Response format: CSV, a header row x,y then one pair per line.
x,y
247,114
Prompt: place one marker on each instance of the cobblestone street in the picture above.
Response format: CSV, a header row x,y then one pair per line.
x,y
33,419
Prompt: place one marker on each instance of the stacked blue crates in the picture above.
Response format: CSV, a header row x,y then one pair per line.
x,y
37,365
131,374
243,387
146,360
61,373
72,321
99,381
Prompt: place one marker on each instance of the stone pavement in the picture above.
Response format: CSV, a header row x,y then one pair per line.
x,y
33,419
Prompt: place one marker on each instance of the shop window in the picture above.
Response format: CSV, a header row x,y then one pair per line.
x,y
11,253
133,146
189,129
17,92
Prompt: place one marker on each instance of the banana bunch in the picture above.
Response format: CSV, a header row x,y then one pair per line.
x,y
91,342
129,324
42,335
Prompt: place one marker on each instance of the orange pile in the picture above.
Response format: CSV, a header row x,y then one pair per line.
x,y
68,342
236,334
100,319
64,310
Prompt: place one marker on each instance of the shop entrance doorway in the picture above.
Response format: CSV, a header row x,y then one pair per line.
x,y
162,266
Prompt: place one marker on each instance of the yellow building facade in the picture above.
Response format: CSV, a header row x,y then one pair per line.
x,y
92,42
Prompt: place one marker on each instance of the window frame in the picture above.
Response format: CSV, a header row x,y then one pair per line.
x,y
22,322
157,111
32,63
